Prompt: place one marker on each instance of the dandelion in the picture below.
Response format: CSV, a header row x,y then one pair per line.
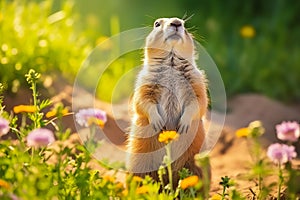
x,y
40,137
168,136
4,126
137,179
142,190
254,130
281,153
242,132
119,185
216,197
288,131
53,113
109,178
57,111
125,192
24,108
188,182
247,31
86,117
4,184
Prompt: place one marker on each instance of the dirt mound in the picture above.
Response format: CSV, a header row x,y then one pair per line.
x,y
245,108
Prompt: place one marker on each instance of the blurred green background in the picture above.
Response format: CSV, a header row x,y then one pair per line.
x,y
255,44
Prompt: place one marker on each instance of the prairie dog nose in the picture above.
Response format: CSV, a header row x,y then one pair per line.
x,y
176,23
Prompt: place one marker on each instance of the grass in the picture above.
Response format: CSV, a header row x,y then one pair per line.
x,y
54,37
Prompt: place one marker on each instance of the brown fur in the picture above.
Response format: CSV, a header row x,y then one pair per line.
x,y
170,94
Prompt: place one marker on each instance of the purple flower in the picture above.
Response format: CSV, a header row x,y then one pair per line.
x,y
85,117
281,153
40,137
288,131
4,126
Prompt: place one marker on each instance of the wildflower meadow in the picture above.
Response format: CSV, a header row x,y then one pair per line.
x,y
37,160
52,49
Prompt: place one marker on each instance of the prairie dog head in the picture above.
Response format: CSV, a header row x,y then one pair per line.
x,y
169,35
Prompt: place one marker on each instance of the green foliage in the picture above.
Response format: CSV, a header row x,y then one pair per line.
x,y
292,184
50,37
266,63
35,35
117,81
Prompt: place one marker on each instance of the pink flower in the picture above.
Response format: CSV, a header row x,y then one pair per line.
x,y
288,131
281,153
4,126
14,197
87,116
40,137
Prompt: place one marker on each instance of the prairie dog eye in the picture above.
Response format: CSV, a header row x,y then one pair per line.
x,y
156,24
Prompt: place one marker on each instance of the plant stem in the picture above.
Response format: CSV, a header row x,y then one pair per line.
x,y
169,162
259,185
161,172
223,193
32,155
280,180
34,94
192,191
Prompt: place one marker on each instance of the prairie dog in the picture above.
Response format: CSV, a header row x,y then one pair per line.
x,y
170,94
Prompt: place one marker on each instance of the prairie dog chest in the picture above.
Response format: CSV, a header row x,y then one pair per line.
x,y
173,75
174,85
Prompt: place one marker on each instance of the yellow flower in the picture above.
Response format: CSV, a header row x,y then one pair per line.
x,y
24,108
94,120
4,184
142,190
242,132
109,178
216,197
53,112
125,192
168,136
190,181
254,130
119,186
137,179
247,31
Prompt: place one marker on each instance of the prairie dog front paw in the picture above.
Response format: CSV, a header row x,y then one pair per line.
x,y
156,120
184,124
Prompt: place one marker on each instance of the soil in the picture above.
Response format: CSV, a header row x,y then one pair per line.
x,y
230,156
